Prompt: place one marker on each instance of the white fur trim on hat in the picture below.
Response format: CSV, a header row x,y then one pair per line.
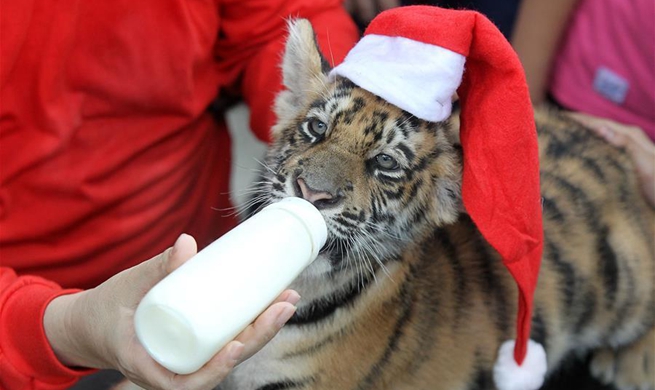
x,y
415,76
528,376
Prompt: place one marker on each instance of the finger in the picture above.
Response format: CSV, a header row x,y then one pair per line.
x,y
631,138
637,135
144,371
215,371
613,135
185,247
290,296
135,282
612,132
256,335
608,126
585,119
149,272
265,327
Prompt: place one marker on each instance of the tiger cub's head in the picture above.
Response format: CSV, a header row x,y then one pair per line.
x,y
380,176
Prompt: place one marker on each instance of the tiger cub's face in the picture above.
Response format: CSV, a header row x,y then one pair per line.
x,y
379,176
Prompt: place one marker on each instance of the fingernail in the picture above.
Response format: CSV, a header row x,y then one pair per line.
x,y
293,297
235,351
284,316
177,243
179,239
606,130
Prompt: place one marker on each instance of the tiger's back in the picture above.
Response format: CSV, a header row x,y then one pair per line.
x,y
598,237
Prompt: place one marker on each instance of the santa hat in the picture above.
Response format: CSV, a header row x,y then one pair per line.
x,y
414,57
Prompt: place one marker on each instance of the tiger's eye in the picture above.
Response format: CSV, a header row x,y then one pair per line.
x,y
317,127
387,162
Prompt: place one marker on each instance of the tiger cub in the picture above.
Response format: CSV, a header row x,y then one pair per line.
x,y
407,294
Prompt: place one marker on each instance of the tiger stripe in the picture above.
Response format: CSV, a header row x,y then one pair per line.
x,y
407,294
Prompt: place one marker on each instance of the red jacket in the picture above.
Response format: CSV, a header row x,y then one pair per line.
x,y
107,149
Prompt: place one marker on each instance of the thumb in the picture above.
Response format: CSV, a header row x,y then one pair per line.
x,y
184,248
150,272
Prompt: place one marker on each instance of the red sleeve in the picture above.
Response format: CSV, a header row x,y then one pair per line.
x,y
26,359
252,40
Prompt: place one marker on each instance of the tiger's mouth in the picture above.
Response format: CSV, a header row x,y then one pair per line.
x,y
337,246
353,244
351,240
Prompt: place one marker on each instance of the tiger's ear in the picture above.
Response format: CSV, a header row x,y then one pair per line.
x,y
304,71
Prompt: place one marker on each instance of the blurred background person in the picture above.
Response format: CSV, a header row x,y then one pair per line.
x,y
597,59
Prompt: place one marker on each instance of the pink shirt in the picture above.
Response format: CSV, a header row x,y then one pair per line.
x,y
606,64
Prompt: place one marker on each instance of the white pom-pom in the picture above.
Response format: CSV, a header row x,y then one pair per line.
x,y
528,376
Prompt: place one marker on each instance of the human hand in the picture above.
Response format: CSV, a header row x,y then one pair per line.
x,y
365,10
630,138
95,328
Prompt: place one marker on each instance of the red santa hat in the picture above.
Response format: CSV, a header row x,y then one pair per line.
x,y
416,58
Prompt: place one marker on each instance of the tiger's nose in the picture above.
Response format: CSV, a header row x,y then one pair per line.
x,y
319,198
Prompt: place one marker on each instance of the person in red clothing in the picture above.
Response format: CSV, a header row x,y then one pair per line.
x,y
108,152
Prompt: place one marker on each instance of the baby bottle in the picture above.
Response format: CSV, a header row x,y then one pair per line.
x,y
186,318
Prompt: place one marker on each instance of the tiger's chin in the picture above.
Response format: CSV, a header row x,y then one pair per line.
x,y
319,268
332,265
329,263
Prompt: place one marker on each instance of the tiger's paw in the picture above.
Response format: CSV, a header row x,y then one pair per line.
x,y
629,368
